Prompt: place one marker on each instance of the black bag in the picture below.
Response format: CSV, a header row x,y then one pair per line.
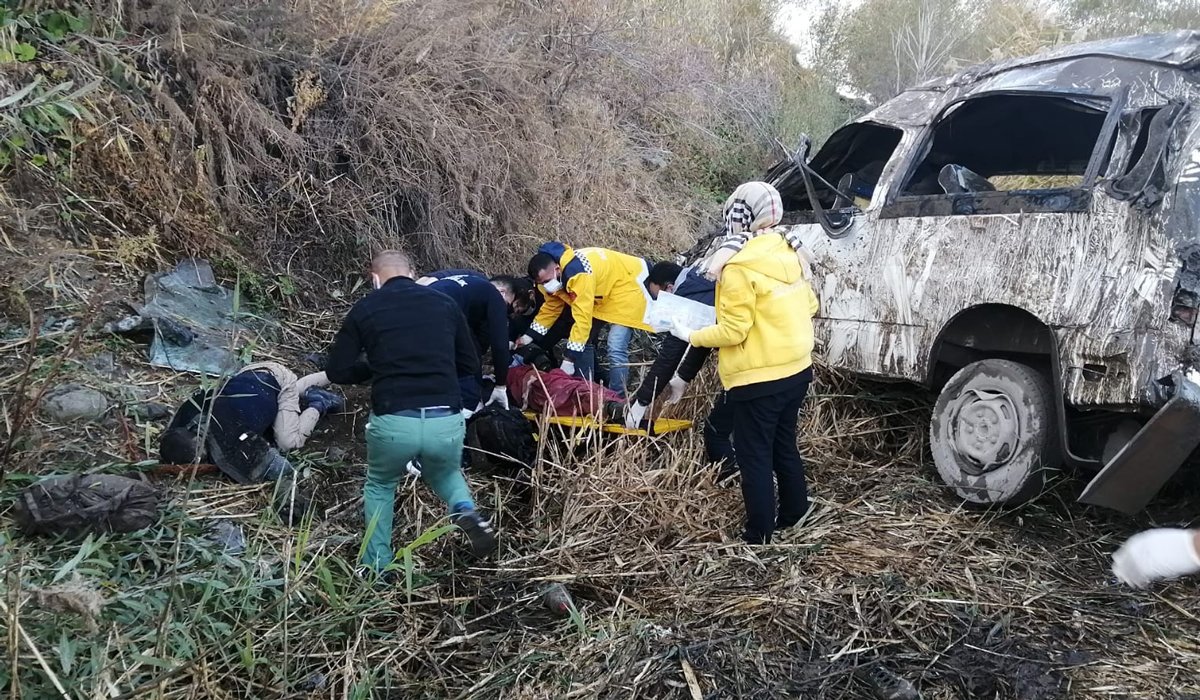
x,y
86,503
503,440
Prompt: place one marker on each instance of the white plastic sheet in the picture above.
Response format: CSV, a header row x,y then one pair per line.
x,y
668,307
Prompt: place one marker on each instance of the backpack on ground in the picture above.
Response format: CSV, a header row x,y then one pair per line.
x,y
503,440
86,503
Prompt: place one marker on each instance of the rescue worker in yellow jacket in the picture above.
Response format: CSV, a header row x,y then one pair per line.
x,y
764,337
598,284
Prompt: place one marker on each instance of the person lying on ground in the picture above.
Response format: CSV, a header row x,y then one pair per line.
x,y
417,345
560,394
1157,555
487,306
753,209
597,284
678,363
264,401
764,341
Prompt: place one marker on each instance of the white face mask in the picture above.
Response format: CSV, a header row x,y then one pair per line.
x,y
375,281
552,286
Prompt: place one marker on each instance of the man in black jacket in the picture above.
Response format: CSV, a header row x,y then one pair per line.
x,y
487,305
417,345
678,363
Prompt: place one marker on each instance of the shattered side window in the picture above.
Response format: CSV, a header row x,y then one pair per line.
x,y
852,160
1007,143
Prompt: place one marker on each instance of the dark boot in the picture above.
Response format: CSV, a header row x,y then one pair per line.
x,y
479,531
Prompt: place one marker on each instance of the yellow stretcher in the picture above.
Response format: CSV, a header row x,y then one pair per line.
x,y
661,425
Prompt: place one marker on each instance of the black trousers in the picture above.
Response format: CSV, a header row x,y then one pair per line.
x,y
718,431
764,433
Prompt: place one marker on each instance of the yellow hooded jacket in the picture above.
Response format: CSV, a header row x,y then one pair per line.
x,y
597,283
765,309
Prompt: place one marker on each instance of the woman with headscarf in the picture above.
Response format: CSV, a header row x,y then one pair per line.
x,y
754,209
764,337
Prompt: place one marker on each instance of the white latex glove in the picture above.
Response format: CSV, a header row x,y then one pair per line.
x,y
568,367
500,396
523,341
467,413
680,330
413,468
1156,555
675,389
634,415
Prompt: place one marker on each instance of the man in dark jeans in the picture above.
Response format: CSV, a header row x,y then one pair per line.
x,y
764,333
417,345
678,363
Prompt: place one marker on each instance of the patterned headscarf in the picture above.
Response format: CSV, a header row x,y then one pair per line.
x,y
753,206
753,209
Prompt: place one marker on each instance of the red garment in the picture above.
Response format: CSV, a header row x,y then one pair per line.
x,y
556,392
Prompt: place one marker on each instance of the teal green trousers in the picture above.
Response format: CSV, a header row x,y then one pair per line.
x,y
392,442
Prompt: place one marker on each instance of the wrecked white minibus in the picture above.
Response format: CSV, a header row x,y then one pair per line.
x,y
1024,238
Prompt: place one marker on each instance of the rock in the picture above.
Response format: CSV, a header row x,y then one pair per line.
x,y
72,403
152,411
336,454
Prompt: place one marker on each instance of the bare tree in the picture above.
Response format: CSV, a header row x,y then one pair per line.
x,y
921,49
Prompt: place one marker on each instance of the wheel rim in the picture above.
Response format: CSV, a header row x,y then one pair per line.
x,y
986,430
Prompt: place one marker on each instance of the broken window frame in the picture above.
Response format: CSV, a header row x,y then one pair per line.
x,y
1050,200
810,216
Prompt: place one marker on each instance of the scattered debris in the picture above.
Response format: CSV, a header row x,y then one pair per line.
x,y
228,534
196,325
558,599
77,596
86,503
152,411
886,685
72,403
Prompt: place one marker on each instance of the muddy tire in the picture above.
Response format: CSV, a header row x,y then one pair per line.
x,y
994,433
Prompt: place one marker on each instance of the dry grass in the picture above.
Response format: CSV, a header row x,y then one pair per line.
x,y
294,142
965,604
299,136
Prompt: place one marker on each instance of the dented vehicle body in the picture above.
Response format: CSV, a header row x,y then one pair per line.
x,y
1043,211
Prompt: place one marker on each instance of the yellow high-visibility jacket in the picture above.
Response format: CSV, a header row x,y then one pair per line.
x,y
765,309
597,283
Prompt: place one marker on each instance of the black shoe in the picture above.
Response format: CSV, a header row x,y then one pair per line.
x,y
479,531
755,538
783,522
886,685
727,472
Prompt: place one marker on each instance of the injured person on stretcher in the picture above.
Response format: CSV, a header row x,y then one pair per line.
x,y
571,400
